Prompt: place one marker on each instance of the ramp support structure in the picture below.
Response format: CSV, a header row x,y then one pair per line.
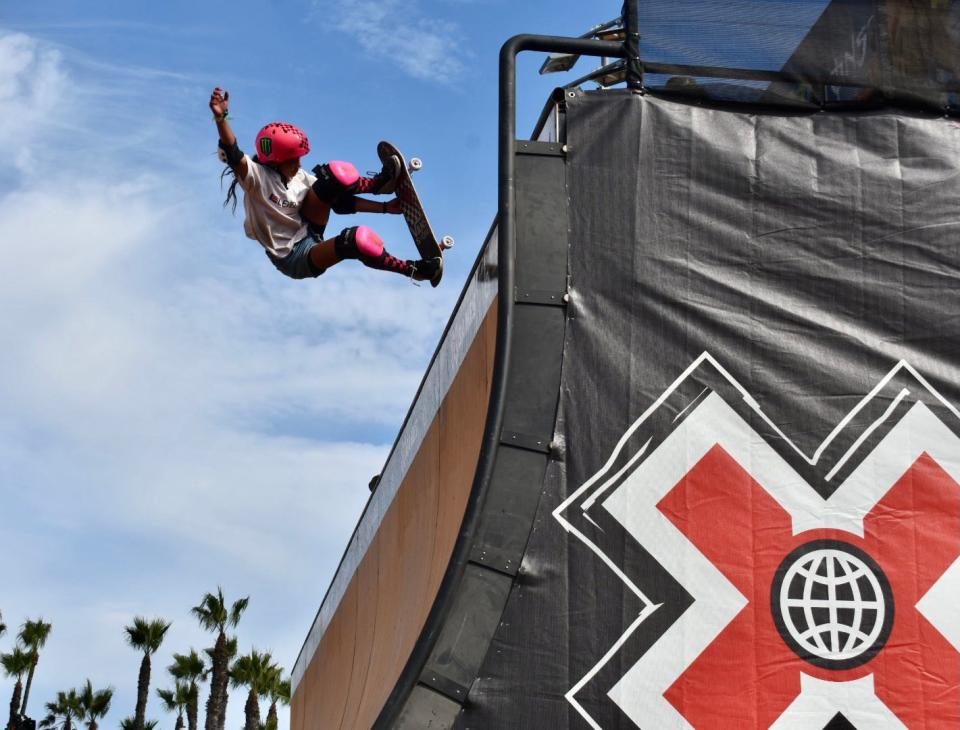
x,y
400,711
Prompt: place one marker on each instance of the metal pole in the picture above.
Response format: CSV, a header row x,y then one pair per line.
x,y
631,43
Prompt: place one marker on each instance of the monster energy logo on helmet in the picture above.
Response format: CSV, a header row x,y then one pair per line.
x,y
266,144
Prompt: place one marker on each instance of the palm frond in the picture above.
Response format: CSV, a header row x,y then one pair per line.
x,y
130,723
254,670
146,635
64,707
239,606
34,634
73,702
280,691
16,663
176,699
189,667
94,703
212,612
169,699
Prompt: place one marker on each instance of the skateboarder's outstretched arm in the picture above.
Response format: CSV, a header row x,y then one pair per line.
x,y
317,212
375,206
220,105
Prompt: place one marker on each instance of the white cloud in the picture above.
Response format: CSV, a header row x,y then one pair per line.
x,y
32,84
400,33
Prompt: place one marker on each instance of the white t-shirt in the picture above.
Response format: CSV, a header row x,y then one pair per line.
x,y
272,209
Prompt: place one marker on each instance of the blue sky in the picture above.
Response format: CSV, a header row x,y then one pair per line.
x,y
176,414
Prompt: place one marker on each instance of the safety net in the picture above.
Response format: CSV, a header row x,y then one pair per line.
x,y
808,53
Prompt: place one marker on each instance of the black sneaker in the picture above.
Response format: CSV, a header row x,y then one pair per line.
x,y
428,270
385,181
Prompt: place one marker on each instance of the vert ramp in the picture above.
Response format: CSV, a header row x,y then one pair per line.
x,y
724,489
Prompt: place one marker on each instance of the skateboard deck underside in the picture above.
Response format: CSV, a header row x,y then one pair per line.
x,y
412,207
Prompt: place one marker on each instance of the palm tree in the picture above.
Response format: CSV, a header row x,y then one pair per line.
x,y
16,664
190,668
33,635
145,636
177,700
214,616
3,626
66,706
278,690
253,671
232,649
94,704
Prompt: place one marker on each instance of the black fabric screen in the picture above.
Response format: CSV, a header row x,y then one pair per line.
x,y
786,286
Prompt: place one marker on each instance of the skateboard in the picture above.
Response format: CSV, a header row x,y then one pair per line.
x,y
412,208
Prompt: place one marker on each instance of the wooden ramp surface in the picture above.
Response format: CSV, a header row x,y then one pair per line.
x,y
380,616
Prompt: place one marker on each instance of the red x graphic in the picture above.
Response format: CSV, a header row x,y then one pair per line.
x,y
748,675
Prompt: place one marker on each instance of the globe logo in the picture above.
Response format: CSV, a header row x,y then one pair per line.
x,y
832,604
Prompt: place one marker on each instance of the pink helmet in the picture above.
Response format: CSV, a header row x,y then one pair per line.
x,y
278,142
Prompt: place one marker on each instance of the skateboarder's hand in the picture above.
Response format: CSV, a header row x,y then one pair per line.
x,y
393,206
219,102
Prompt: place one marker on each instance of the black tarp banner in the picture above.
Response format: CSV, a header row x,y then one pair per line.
x,y
756,519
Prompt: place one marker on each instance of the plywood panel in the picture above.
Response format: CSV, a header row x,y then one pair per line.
x,y
404,575
367,581
460,436
386,543
418,511
329,680
297,710
382,614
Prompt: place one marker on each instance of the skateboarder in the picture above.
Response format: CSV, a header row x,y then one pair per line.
x,y
287,208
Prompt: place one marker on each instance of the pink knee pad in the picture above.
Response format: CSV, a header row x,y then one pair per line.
x,y
369,244
344,172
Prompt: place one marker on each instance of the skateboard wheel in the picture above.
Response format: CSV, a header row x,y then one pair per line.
x,y
446,242
415,164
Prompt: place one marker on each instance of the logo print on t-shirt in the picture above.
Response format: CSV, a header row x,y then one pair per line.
x,y
282,202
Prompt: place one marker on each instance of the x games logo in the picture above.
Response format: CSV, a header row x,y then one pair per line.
x,y
777,589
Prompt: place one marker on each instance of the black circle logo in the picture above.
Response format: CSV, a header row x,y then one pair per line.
x,y
832,604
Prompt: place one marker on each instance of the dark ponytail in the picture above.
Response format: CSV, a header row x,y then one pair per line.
x,y
232,190
231,198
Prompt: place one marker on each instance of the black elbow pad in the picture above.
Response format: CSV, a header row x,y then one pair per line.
x,y
232,153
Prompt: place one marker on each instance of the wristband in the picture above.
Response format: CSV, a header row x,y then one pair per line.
x,y
221,117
